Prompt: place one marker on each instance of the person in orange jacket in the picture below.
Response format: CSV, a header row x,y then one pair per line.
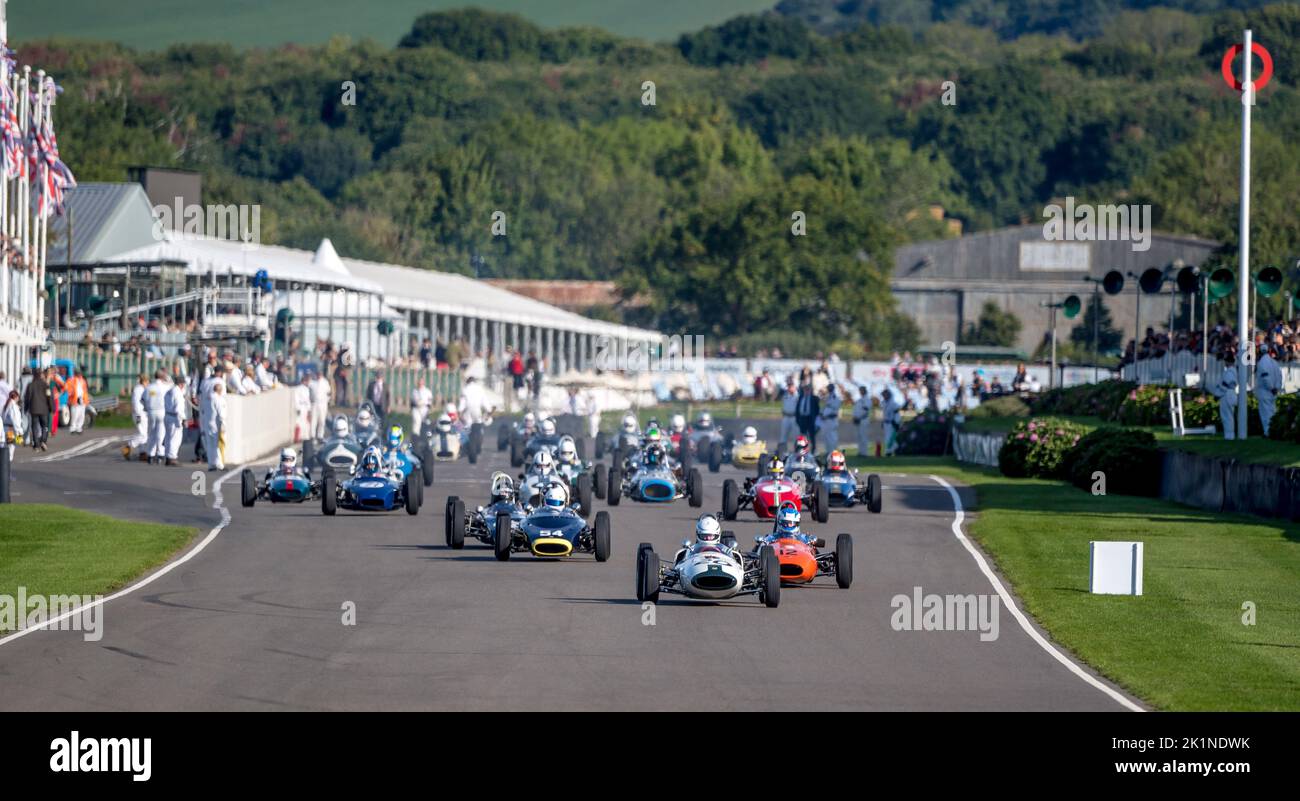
x,y
78,398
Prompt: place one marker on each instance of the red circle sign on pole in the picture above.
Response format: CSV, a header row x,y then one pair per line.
x,y
1264,75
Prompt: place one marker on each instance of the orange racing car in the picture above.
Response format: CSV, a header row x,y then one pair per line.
x,y
801,556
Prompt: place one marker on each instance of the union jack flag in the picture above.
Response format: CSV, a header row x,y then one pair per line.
x,y
56,178
11,136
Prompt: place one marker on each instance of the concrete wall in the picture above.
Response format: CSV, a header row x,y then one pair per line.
x,y
258,424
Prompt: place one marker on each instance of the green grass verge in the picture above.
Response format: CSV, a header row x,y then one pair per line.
x,y
54,550
1257,450
1180,646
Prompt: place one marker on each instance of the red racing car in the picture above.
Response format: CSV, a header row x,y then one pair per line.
x,y
766,493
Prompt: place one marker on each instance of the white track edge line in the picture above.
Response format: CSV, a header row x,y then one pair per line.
x,y
960,515
218,503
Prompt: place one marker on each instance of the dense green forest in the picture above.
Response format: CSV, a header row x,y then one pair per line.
x,y
690,202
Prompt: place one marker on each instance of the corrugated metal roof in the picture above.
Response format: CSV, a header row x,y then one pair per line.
x,y
106,219
997,255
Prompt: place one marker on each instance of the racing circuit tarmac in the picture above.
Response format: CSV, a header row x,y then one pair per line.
x,y
254,620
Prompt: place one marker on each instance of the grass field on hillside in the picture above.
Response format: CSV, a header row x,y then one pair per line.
x,y
1183,644
257,23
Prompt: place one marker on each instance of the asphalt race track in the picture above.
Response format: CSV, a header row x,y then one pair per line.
x,y
255,620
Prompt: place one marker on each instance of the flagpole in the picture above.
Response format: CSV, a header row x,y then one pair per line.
x,y
24,188
42,202
1245,340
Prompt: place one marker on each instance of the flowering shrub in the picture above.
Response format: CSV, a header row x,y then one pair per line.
x,y
1037,448
1127,457
924,435
1101,400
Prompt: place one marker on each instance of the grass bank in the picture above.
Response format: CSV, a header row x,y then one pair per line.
x,y
1181,646
54,550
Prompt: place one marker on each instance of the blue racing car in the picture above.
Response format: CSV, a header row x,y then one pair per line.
x,y
285,484
654,479
371,489
843,487
552,530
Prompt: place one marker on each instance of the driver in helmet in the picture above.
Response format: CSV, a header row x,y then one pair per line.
x,y
652,435
365,422
444,424
835,462
749,436
801,446
450,411
654,455
288,464
568,452
543,464
530,424
392,454
548,427
786,526
341,428
775,467
704,422
708,534
503,488
678,424
556,498
629,424
372,462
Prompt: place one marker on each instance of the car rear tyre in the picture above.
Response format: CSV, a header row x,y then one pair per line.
x,y
456,523
412,493
600,446
729,539
873,493
308,452
329,494
516,453
730,499
821,503
715,457
762,463
580,448
844,561
614,490
247,488
647,574
503,436
426,466
584,494
684,456
771,577
600,535
475,442
695,487
501,537
600,476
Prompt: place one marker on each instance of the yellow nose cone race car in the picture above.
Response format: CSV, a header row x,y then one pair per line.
x,y
748,455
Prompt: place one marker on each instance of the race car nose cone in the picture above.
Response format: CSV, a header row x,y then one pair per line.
x,y
714,581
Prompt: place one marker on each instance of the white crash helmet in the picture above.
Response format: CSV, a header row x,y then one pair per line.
x,y
548,427
557,497
749,436
629,424
678,423
543,463
450,410
341,427
288,458
706,420
530,420
568,450
444,424
707,529
364,418
503,487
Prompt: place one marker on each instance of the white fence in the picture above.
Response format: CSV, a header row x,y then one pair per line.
x,y
1172,368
